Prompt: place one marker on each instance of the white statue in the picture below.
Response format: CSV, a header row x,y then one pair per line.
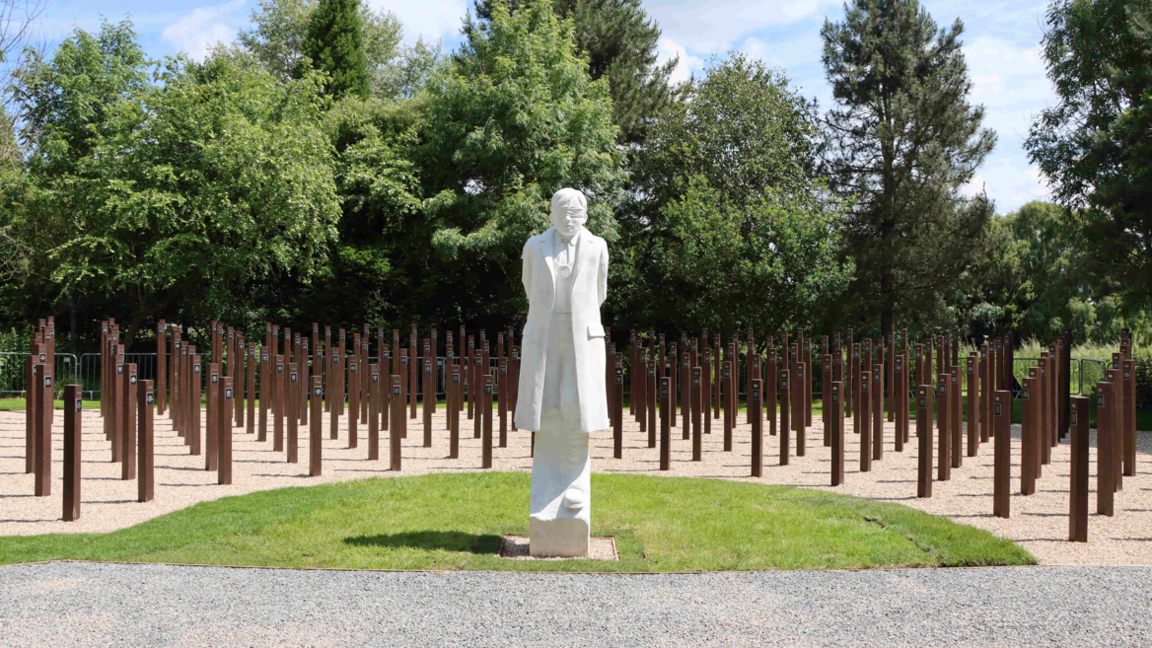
x,y
562,392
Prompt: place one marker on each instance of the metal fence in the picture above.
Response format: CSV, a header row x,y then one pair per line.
x,y
14,372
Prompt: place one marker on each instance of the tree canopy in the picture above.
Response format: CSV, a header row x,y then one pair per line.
x,y
903,139
1093,145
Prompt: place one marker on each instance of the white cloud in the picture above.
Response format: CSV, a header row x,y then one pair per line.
x,y
712,26
687,63
196,32
434,20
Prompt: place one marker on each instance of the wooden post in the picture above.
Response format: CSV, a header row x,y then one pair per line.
x,y
475,395
877,411
195,388
1105,449
798,396
112,431
808,385
396,431
266,390
428,373
502,394
665,425
210,432
973,405
1029,452
686,393
754,401
161,367
293,418
618,414
924,395
1002,453
1129,417
335,395
374,410
954,416
457,389
864,416
697,437
985,378
315,435
944,441
825,393
73,431
784,397
278,399
835,408
1078,491
127,422
224,430
650,393
890,357
706,392
899,406
726,376
486,415
354,401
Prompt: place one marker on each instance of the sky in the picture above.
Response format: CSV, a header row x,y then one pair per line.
x,y
1001,44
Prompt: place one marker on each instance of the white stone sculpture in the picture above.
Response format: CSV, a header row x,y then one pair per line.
x,y
562,393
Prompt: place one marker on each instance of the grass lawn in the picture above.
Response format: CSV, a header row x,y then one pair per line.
x,y
455,521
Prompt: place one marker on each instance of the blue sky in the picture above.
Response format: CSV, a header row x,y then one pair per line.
x,y
1001,42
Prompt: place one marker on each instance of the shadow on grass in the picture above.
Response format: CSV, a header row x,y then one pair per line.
x,y
431,540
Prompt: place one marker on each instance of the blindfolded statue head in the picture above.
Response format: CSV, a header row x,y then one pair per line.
x,y
569,212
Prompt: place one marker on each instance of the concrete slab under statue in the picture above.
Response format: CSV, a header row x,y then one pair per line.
x,y
562,389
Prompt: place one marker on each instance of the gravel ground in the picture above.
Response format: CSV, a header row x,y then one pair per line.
x,y
1039,522
86,604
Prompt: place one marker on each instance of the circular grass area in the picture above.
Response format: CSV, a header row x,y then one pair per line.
x,y
456,521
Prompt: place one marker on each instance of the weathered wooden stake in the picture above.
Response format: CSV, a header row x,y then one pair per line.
x,y
924,397
1078,491
73,431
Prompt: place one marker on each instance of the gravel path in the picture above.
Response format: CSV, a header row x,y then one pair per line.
x,y
83,604
1039,522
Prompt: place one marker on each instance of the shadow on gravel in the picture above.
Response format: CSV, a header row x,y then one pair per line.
x,y
431,540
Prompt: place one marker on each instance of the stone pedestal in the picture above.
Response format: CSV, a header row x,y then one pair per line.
x,y
560,510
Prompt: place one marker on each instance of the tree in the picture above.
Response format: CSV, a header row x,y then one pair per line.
x,y
903,139
1094,145
742,128
729,228
515,119
622,45
335,46
215,177
280,28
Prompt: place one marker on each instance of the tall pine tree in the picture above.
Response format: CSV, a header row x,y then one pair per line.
x,y
335,44
903,139
621,43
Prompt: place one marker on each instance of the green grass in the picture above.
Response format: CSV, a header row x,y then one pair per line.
x,y
455,521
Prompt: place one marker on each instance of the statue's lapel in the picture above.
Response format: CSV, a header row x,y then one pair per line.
x,y
579,260
549,246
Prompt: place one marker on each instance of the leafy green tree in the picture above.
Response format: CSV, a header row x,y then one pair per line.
x,y
1093,145
335,46
742,128
378,271
515,119
903,139
188,189
768,262
729,229
280,28
622,44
